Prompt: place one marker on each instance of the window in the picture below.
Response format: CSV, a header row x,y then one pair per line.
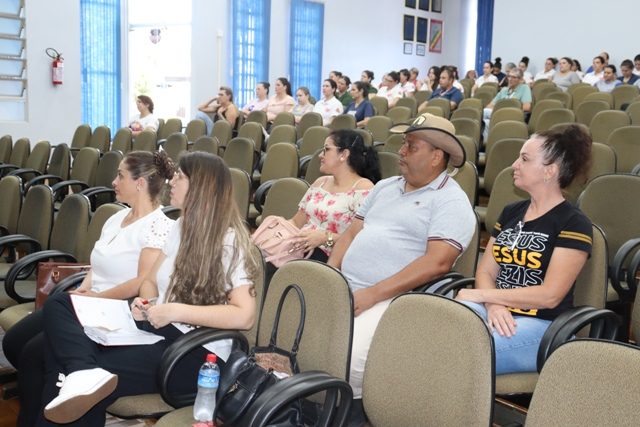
x,y
13,62
100,58
307,24
251,25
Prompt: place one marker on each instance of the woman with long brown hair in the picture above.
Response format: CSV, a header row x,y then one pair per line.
x,y
205,276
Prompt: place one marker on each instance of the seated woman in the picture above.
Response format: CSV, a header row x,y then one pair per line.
x,y
213,287
343,94
597,73
406,86
565,77
471,74
539,247
526,75
549,70
224,109
413,79
577,68
281,101
367,77
636,64
609,82
497,72
361,108
131,239
432,80
145,120
328,107
627,77
330,204
486,77
304,105
258,103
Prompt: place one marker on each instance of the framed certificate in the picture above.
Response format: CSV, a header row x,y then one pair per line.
x,y
410,3
421,34
424,5
420,49
436,6
408,48
409,27
435,36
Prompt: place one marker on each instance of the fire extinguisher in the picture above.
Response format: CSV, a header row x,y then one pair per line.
x,y
58,66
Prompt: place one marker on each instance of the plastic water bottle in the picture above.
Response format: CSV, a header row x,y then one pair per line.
x,y
207,387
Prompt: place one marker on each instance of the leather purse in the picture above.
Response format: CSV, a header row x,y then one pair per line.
x,y
51,273
275,238
244,377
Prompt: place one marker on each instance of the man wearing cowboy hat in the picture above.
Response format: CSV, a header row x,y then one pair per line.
x,y
408,231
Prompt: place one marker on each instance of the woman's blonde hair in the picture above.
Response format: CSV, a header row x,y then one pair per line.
x,y
204,265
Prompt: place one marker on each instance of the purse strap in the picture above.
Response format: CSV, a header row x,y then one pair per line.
x,y
303,314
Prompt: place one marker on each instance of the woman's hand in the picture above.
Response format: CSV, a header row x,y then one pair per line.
x,y
83,292
309,239
159,315
138,309
500,319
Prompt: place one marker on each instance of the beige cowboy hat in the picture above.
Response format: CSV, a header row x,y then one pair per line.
x,y
437,131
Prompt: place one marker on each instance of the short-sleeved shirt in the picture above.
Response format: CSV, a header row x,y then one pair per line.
x,y
115,256
392,94
398,227
345,99
276,107
139,124
299,110
631,80
482,80
408,88
563,82
524,250
452,94
592,77
521,92
255,104
365,109
328,109
604,86
545,74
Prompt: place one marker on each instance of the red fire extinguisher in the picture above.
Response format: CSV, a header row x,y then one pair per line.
x,y
58,66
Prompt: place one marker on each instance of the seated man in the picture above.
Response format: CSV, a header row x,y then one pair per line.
x,y
516,89
446,90
408,231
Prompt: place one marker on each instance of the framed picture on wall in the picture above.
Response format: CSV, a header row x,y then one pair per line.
x,y
436,6
408,48
409,27
435,36
420,49
424,5
421,34
410,3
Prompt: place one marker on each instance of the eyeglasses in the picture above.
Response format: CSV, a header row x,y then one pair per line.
x,y
518,229
327,148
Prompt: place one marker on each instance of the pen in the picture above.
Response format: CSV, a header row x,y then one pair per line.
x,y
146,302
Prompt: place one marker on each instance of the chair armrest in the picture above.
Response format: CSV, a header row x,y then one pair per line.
x,y
40,180
454,285
298,386
14,240
161,141
3,231
261,193
304,160
183,346
5,167
616,273
75,148
604,325
93,192
632,272
57,188
70,282
23,171
29,264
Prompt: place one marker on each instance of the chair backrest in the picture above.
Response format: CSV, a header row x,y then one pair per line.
x,y
240,154
282,133
381,105
175,144
208,144
432,109
85,166
122,140
108,168
485,97
343,122
506,113
472,103
468,127
223,131
539,108
467,113
11,196
554,116
59,164
328,328
71,224
467,262
260,290
313,140
399,114
589,108
252,131
507,103
603,161
283,197
502,156
624,94
410,103
146,141
283,118
313,168
445,104
548,91
101,139
592,282
605,122
606,191
634,111
571,89
367,137
422,96
580,384
160,125
36,216
39,156
422,325
195,129
308,120
6,144
470,148
505,129
488,89
257,116
602,96
393,143
171,126
241,182
580,92
565,97
389,164
467,179
99,217
81,138
280,161
503,193
20,152
626,141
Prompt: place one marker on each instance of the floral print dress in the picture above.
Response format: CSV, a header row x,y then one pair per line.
x,y
332,212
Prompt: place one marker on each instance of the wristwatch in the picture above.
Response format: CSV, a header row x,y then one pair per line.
x,y
329,242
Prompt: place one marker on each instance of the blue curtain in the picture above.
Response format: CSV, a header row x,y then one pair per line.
x,y
484,35
100,58
307,26
251,25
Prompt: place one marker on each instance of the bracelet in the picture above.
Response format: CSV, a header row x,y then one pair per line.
x,y
329,242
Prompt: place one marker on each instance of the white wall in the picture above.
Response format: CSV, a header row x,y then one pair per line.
x,y
579,30
53,111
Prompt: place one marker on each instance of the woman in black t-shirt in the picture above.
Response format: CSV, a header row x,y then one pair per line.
x,y
539,247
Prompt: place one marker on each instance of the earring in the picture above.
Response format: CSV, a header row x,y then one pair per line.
x,y
544,180
341,159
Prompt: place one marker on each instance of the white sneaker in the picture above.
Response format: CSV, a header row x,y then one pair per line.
x,y
79,392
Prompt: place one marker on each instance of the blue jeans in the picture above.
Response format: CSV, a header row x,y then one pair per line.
x,y
520,352
206,119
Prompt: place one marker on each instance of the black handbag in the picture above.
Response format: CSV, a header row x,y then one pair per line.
x,y
245,377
